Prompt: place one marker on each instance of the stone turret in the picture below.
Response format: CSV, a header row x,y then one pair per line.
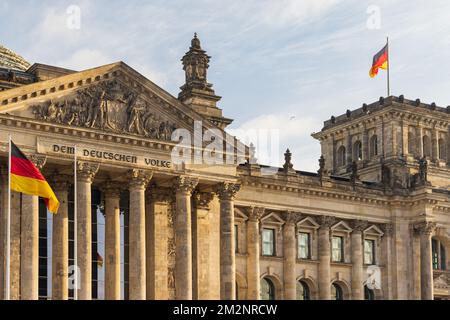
x,y
197,93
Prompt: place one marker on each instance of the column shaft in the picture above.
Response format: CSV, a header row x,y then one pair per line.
x,y
357,265
227,192
426,267
253,254
324,259
60,240
112,242
289,258
85,175
137,267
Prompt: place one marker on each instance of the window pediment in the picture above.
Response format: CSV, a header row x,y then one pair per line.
x,y
308,223
341,226
373,230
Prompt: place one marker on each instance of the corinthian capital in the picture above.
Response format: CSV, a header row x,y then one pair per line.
x,y
202,199
227,190
359,225
38,160
326,221
290,217
112,189
425,227
60,182
160,194
255,213
140,178
185,184
86,171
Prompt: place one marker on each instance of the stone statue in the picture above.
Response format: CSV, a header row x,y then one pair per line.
x,y
423,170
134,111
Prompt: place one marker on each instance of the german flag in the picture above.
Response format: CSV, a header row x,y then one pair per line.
x,y
99,260
27,179
380,60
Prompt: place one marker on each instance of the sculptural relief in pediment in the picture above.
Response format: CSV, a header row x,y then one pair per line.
x,y
108,106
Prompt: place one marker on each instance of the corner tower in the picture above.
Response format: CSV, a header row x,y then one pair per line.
x,y
197,93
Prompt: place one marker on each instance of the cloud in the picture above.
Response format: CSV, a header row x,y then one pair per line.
x,y
85,59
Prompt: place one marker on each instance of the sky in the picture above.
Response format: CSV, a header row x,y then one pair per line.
x,y
282,65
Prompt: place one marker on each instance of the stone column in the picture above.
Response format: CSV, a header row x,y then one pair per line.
x,y
419,141
290,257
184,186
387,258
85,175
138,182
227,192
29,242
253,253
60,238
425,230
111,191
201,245
157,245
435,144
324,257
405,141
348,148
358,259
365,144
415,264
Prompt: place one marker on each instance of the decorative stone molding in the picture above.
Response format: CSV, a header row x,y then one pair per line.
x,y
255,213
86,171
202,199
425,227
139,178
38,160
227,190
185,184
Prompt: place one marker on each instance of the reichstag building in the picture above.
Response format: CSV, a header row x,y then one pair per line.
x,y
372,223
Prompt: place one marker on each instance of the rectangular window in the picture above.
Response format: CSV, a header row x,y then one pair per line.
x,y
268,241
337,249
303,246
369,251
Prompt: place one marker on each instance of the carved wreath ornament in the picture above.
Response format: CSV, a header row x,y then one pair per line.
x,y
108,106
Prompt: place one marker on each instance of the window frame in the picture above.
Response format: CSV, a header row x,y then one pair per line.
x,y
341,249
274,241
308,245
373,253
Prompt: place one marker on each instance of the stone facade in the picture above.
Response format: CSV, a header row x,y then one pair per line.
x,y
371,223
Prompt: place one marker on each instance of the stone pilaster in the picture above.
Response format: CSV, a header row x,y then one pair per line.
x,y
435,144
324,257
157,246
358,259
184,186
60,238
419,141
290,257
111,192
29,242
387,276
226,192
201,245
86,172
425,230
138,183
253,253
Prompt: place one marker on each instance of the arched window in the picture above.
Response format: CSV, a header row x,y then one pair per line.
x,y
336,292
438,255
357,151
369,294
373,146
411,143
426,146
267,289
341,156
303,292
442,149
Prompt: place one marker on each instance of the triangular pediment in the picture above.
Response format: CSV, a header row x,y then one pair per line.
x,y
113,98
341,227
239,215
309,223
373,230
272,218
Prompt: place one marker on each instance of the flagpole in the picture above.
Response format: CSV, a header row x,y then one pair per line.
x,y
388,69
8,228
75,212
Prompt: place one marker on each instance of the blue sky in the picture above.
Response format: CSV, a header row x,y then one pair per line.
x,y
282,64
